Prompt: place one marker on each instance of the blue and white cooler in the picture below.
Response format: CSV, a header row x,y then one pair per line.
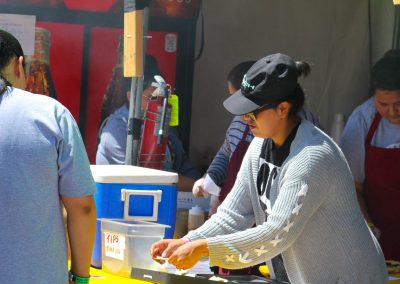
x,y
133,193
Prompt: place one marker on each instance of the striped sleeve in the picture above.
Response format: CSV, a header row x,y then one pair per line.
x,y
219,166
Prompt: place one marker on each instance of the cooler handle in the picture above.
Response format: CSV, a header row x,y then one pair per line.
x,y
125,196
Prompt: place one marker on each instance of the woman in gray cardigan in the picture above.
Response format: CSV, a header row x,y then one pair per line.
x,y
295,185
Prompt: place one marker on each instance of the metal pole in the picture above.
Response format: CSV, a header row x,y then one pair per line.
x,y
135,117
134,122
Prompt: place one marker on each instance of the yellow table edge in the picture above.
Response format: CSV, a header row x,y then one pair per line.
x,y
102,277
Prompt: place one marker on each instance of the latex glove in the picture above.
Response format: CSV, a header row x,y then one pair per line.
x,y
198,190
214,203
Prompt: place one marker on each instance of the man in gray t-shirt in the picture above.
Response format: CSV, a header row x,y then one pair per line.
x,y
43,164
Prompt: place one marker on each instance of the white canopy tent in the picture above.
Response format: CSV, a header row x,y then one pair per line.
x,y
341,39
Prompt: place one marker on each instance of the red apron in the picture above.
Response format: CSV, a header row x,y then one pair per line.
x,y
234,165
382,192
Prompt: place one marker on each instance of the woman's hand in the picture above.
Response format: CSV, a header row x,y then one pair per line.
x,y
187,255
165,248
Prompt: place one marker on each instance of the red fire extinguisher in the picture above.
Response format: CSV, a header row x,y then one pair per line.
x,y
153,145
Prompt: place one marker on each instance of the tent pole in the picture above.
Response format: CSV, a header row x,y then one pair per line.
x,y
135,34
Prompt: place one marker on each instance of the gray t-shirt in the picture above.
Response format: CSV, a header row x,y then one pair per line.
x,y
387,135
41,157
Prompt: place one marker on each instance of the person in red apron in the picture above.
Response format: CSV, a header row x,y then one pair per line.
x,y
222,171
382,192
377,121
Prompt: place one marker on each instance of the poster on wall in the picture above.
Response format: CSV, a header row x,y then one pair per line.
x,y
22,27
49,47
64,43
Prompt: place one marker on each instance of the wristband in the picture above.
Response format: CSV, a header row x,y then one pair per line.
x,y
186,240
78,279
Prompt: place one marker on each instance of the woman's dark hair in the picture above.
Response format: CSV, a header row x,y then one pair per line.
x,y
296,98
235,76
9,48
385,74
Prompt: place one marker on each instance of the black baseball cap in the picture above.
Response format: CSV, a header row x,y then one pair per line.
x,y
269,80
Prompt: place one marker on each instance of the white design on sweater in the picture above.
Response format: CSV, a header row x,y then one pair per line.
x,y
297,209
276,241
243,258
260,251
229,258
303,190
287,228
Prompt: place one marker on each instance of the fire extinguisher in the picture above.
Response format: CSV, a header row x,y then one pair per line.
x,y
153,145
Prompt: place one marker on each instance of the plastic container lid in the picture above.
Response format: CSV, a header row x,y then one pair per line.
x,y
138,228
131,175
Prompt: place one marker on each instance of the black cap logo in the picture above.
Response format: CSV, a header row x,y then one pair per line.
x,y
246,86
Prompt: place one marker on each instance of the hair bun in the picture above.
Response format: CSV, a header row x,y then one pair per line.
x,y
303,67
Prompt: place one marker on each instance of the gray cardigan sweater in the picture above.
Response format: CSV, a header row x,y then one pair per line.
x,y
315,221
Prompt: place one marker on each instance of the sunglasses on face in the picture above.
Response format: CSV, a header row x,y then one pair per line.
x,y
253,115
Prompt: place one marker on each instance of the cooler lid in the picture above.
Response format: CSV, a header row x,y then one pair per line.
x,y
131,175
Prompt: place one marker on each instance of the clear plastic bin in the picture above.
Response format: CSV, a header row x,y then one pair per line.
x,y
126,244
